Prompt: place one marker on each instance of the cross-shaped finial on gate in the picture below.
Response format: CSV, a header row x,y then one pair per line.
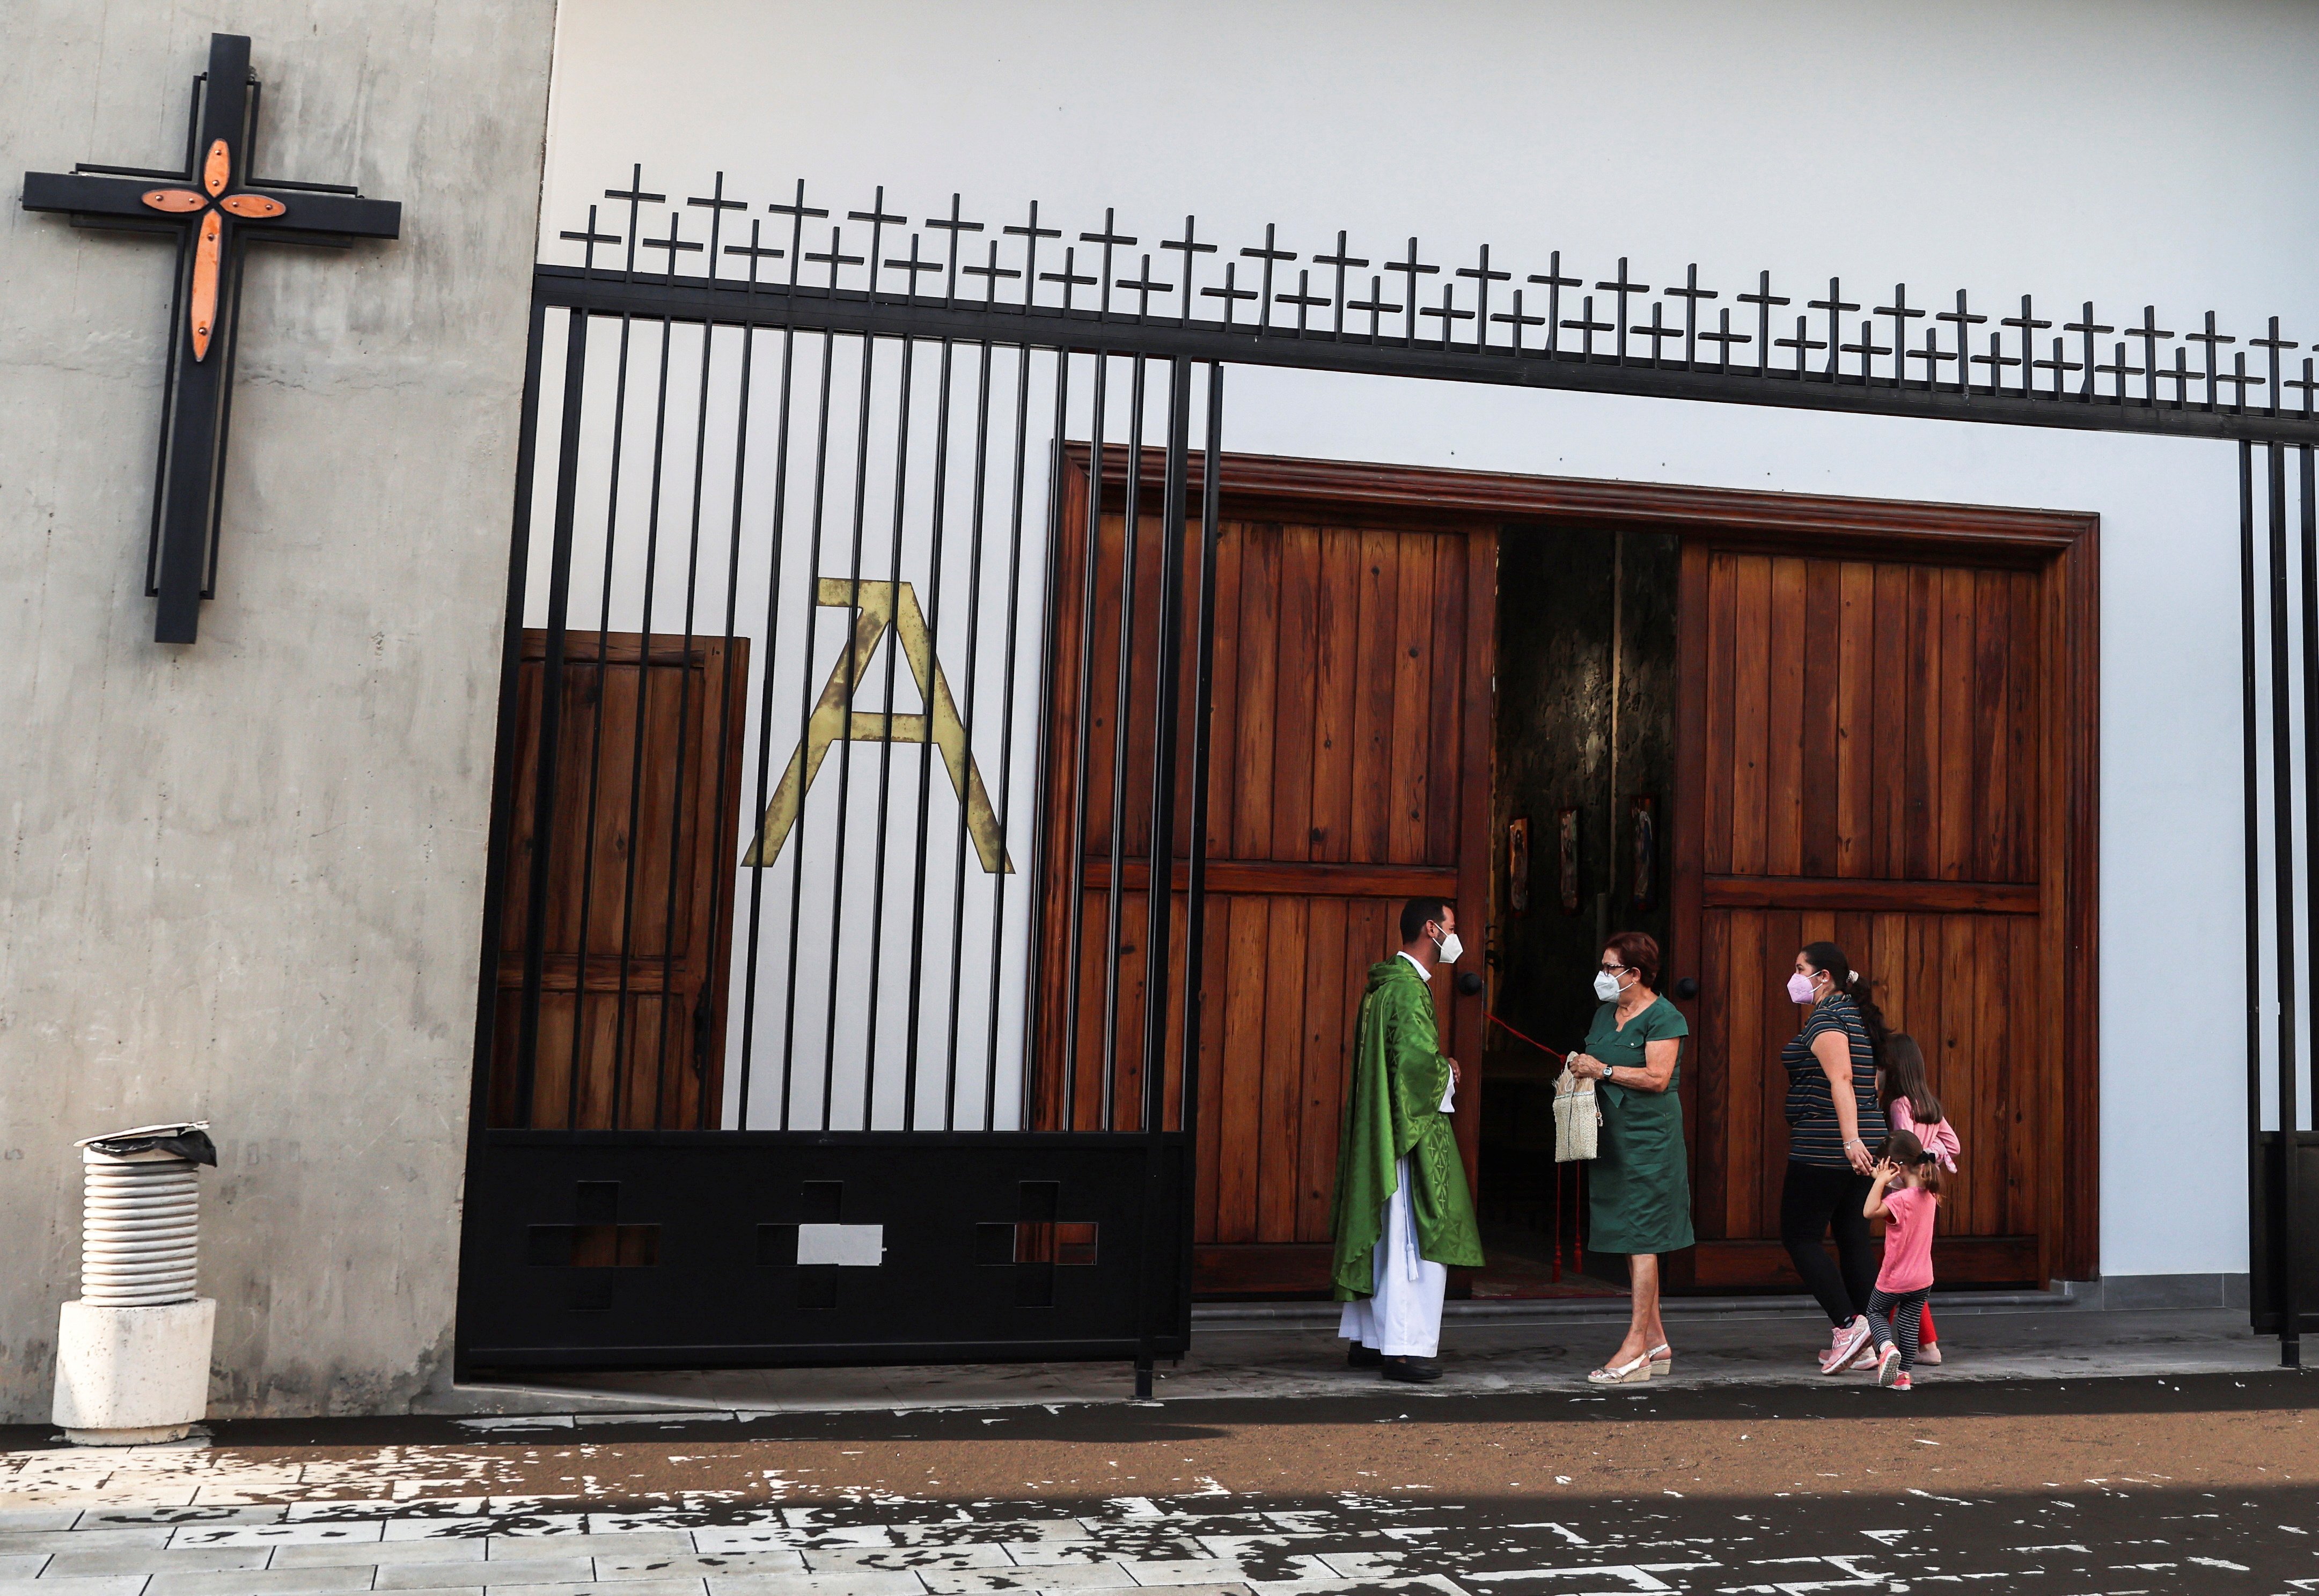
x,y
214,207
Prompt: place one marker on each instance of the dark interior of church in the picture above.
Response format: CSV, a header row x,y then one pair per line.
x,y
1584,764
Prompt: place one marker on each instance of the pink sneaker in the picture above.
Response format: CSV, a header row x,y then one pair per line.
x,y
1845,1345
1889,1371
1901,1382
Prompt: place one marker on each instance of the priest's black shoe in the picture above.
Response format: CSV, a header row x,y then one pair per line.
x,y
1357,1356
1416,1371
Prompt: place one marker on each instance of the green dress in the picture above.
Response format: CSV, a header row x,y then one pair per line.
x,y
1640,1183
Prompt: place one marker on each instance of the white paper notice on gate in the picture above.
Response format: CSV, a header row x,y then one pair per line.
x,y
861,1247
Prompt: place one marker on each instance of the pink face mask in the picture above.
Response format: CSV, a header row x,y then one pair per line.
x,y
1800,988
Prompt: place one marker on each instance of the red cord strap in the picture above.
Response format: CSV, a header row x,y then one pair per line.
x,y
1557,1057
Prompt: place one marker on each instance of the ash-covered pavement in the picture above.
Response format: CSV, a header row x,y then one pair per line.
x,y
2196,1484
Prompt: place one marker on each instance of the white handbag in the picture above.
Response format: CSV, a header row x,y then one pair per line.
x,y
1576,1119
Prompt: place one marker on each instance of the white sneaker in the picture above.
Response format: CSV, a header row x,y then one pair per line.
x,y
1844,1346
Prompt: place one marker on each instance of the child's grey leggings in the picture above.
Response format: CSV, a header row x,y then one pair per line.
x,y
1898,1315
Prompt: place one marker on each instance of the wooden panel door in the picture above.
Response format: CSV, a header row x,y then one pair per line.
x,y
1878,769
640,863
1349,745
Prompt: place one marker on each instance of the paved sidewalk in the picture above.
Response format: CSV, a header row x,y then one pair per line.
x,y
2137,1536
1542,1347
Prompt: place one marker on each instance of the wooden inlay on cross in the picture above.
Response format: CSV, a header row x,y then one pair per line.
x,y
214,207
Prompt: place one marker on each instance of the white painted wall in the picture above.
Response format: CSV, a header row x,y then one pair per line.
x,y
2067,151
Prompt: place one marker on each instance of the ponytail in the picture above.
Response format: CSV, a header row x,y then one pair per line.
x,y
1829,957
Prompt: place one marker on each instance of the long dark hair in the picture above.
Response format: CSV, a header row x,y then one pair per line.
x,y
1903,1064
1829,957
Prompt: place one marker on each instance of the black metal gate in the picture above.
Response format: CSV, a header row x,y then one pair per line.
x,y
762,1076
788,1051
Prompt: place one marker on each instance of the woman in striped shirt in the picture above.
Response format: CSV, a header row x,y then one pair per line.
x,y
1834,1120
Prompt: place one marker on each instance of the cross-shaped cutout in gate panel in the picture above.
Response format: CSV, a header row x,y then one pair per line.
x,y
818,1245
1035,1243
597,1243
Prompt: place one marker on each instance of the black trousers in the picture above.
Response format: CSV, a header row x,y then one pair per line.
x,y
1814,1202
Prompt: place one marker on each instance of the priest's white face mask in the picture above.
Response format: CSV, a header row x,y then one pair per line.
x,y
1450,945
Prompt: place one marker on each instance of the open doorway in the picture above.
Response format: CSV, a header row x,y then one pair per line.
x,y
1583,763
1760,720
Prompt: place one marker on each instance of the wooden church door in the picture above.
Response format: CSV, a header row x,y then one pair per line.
x,y
640,863
1348,771
1869,752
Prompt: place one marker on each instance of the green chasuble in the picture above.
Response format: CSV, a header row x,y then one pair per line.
x,y
1392,1110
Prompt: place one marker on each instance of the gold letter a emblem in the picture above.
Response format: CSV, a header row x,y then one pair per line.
x,y
882,604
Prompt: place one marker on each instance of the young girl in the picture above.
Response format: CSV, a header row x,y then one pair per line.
x,y
1909,1105
1906,1196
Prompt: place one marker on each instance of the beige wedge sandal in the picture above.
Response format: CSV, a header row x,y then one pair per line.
x,y
1638,1373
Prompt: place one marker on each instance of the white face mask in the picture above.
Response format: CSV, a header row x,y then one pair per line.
x,y
1606,986
1451,948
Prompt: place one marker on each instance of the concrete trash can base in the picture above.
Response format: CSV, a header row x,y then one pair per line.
x,y
130,1377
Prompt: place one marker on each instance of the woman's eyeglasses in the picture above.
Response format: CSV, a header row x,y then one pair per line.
x,y
1612,969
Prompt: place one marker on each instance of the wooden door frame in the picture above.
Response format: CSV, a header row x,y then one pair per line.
x,y
2062,546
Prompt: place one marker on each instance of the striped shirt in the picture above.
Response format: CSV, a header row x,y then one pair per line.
x,y
1815,1136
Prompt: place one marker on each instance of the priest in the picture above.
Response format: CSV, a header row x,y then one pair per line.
x,y
1403,1213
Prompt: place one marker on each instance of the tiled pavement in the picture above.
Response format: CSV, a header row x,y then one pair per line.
x,y
1188,1546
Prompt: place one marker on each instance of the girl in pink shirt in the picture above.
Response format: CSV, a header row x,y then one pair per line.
x,y
1909,1105
1906,1196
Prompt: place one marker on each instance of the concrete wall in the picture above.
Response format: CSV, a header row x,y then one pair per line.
x,y
241,880
2062,150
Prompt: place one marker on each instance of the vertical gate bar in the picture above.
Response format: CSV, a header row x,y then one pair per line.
x,y
1043,747
596,729
2290,1107
2258,1185
770,654
1073,908
504,758
1195,896
886,741
926,740
2282,777
506,754
551,710
1168,658
1123,699
704,1018
644,705
805,714
975,532
1175,484
683,720
848,663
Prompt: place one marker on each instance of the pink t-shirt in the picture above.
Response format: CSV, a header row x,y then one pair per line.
x,y
1908,1239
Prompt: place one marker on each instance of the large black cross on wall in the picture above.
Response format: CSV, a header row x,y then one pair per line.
x,y
214,208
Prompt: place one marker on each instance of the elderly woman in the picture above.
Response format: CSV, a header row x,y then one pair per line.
x,y
1640,1184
